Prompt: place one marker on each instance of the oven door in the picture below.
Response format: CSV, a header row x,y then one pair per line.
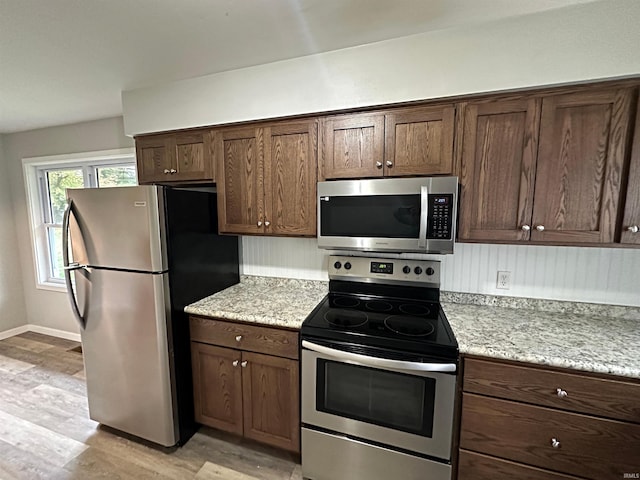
x,y
402,404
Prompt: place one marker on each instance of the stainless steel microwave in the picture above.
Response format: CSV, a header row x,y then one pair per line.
x,y
388,215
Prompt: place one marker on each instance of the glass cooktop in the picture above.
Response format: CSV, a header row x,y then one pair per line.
x,y
391,323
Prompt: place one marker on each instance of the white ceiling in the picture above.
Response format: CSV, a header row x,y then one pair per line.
x,y
66,61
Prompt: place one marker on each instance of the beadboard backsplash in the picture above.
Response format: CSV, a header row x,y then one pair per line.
x,y
598,275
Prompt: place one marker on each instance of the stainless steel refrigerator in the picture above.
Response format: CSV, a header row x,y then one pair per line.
x,y
139,255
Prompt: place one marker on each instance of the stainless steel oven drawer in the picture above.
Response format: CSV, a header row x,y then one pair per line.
x,y
332,457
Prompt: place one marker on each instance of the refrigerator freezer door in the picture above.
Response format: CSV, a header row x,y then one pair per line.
x,y
117,227
127,352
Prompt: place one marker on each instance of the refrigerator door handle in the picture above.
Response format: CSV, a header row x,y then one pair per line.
x,y
69,267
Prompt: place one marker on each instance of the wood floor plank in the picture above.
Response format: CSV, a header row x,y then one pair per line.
x,y
28,344
19,464
41,442
11,365
62,343
94,463
211,471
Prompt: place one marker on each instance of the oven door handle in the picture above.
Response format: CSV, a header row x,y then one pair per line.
x,y
368,361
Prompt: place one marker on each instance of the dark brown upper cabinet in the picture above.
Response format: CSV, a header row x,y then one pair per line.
x,y
498,169
175,157
581,156
631,221
547,169
404,142
352,146
267,178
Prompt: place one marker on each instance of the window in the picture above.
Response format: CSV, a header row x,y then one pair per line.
x,y
47,179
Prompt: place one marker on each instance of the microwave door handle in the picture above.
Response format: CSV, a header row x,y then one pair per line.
x,y
424,216
380,362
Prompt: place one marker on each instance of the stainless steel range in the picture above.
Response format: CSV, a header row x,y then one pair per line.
x,y
379,372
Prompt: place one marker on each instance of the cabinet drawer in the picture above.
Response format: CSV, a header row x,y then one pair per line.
x,y
271,341
475,466
594,448
596,396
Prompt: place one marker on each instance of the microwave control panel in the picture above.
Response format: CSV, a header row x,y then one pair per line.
x,y
440,216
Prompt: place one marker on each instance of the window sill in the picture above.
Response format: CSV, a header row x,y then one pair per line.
x,y
52,287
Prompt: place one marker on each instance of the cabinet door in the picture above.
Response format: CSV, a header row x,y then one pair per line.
x,y
631,220
217,386
352,146
193,156
419,141
271,400
155,156
498,169
290,178
583,139
239,157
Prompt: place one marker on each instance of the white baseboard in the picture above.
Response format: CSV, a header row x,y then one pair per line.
x,y
53,332
14,331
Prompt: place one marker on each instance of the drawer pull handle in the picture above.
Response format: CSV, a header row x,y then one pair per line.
x,y
555,443
235,363
561,393
244,364
239,338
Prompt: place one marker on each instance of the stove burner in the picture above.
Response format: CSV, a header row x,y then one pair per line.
x,y
409,326
378,306
346,302
346,318
414,309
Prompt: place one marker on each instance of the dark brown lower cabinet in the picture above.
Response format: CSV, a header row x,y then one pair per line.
x,y
252,394
528,422
476,466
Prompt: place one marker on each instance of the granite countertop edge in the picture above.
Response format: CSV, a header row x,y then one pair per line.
x,y
270,292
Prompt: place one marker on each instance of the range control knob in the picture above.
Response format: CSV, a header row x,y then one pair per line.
x,y
337,265
406,269
347,266
430,271
417,270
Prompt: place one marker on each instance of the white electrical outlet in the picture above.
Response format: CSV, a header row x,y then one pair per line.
x,y
504,280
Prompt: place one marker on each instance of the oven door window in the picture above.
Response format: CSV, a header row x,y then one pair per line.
x,y
380,397
375,216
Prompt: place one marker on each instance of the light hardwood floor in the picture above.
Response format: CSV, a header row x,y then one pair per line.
x,y
46,433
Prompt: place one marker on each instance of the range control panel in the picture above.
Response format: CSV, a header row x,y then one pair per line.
x,y
384,270
440,215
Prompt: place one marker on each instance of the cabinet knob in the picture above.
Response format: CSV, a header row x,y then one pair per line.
x,y
173,170
235,363
540,228
165,171
259,223
238,338
244,364
561,393
378,164
525,228
555,443
389,164
633,229
267,223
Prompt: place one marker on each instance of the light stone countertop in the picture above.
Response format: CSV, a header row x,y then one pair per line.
x,y
580,336
279,302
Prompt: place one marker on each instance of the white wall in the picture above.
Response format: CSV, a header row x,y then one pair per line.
x,y
584,42
598,275
12,305
47,308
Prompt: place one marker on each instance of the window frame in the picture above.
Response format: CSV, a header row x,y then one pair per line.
x,y
37,190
